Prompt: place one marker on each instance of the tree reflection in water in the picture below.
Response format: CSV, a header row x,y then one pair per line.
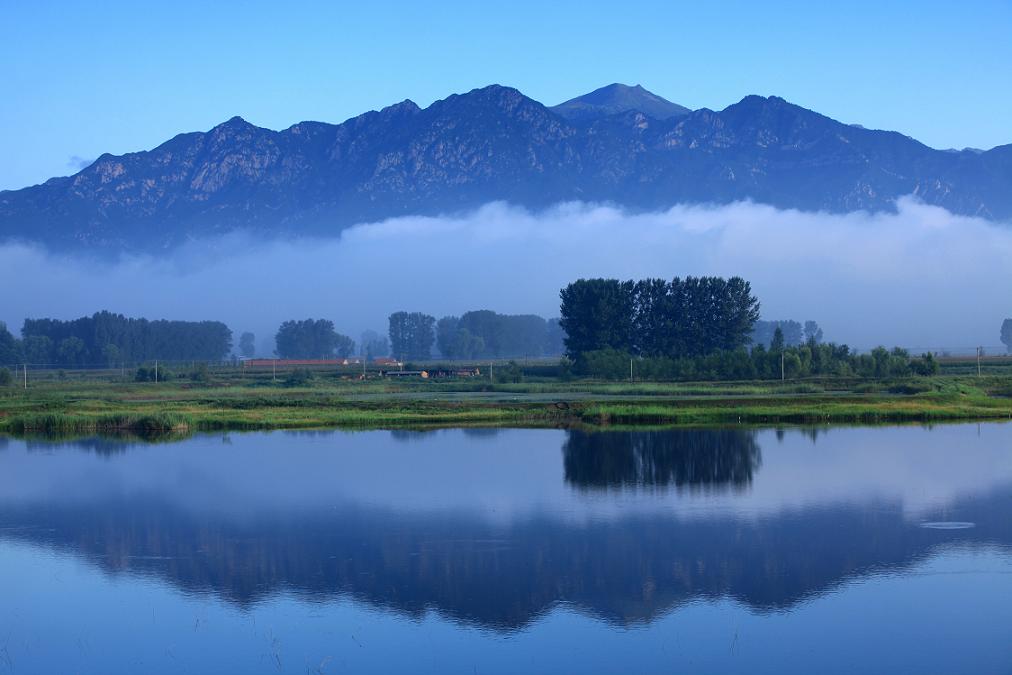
x,y
708,459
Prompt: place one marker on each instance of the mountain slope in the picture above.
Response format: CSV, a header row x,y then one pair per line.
x,y
491,143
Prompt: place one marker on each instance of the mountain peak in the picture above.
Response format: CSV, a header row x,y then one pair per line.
x,y
406,106
494,97
618,98
496,94
234,124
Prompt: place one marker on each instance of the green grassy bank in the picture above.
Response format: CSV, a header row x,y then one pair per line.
x,y
72,406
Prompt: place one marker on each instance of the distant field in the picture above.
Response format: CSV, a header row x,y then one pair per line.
x,y
226,397
967,365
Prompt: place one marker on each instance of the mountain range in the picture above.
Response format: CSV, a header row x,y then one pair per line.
x,y
618,144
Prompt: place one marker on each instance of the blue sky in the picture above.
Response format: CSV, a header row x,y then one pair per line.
x,y
82,78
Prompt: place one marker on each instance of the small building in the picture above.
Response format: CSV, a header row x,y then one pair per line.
x,y
454,372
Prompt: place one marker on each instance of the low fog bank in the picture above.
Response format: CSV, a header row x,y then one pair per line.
x,y
921,277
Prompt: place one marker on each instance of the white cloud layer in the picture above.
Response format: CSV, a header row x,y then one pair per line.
x,y
921,277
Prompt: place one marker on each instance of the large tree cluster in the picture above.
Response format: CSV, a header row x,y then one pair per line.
x,y
312,339
681,318
111,339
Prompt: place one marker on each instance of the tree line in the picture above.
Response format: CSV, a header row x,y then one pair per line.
x,y
111,339
758,363
794,333
703,328
479,334
413,336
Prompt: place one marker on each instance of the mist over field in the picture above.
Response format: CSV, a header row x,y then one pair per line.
x,y
918,277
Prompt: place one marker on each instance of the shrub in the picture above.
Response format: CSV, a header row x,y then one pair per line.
x,y
6,377
152,375
925,365
200,373
512,372
910,388
607,364
792,365
299,377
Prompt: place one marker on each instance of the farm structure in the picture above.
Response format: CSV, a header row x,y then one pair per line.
x,y
302,363
436,373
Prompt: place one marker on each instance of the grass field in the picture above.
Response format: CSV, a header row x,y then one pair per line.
x,y
230,399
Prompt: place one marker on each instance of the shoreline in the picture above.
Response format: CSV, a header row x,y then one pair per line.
x,y
62,408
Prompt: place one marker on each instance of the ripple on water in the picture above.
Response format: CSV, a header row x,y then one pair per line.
x,y
948,525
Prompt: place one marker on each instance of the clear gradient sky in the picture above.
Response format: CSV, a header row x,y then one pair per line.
x,y
82,78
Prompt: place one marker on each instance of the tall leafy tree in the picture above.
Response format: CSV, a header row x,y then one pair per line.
x,y
10,347
411,335
778,341
597,314
490,328
38,349
793,332
71,351
655,318
374,345
813,333
344,346
523,335
446,335
311,339
555,338
247,345
111,355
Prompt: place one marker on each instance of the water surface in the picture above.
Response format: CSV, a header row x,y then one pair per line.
x,y
504,551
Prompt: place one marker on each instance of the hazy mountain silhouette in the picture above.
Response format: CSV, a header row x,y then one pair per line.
x,y
490,144
625,571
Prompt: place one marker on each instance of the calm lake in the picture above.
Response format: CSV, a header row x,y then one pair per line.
x,y
845,550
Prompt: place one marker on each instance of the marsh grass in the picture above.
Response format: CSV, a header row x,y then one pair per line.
x,y
61,423
69,407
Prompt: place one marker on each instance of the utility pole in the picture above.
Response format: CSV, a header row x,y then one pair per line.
x,y
156,371
979,349
782,377
274,370
630,369
490,380
26,376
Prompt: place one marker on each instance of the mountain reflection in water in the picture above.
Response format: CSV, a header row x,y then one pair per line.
x,y
325,516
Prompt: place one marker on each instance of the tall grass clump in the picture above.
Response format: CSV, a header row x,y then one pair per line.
x,y
60,423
